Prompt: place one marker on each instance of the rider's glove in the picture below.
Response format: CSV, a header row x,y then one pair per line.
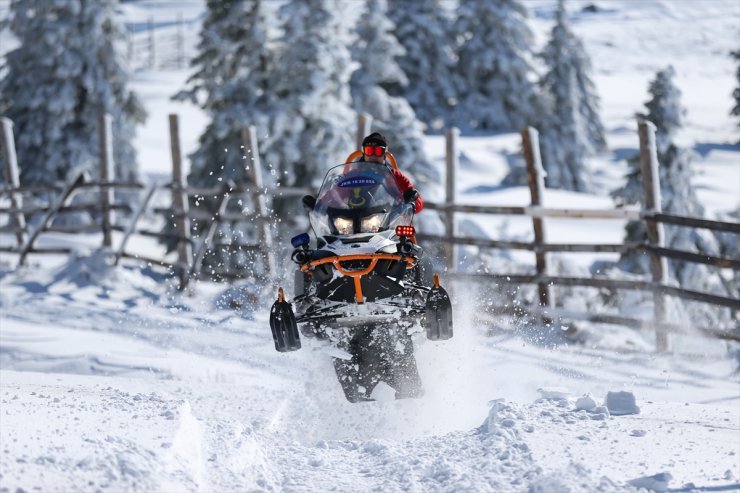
x,y
309,202
410,196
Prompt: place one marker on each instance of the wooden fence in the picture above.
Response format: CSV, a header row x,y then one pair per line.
x,y
652,215
192,250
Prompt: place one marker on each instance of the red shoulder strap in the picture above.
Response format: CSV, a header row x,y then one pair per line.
x,y
358,154
353,157
391,159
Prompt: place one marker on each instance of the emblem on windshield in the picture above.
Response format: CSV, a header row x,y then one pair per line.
x,y
358,181
357,200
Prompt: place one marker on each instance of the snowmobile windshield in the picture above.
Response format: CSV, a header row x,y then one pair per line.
x,y
358,198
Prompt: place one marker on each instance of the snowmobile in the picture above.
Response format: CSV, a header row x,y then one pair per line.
x,y
366,285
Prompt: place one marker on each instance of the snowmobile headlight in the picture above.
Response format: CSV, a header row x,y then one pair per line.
x,y
371,224
344,225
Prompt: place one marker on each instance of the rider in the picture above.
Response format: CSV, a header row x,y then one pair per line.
x,y
374,148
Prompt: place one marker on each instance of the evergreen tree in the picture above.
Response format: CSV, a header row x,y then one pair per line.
x,y
495,77
230,85
376,51
736,93
677,194
311,126
664,110
571,129
64,74
424,29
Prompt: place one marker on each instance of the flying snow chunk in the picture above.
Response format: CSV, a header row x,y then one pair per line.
x,y
383,393
658,482
338,353
621,403
586,403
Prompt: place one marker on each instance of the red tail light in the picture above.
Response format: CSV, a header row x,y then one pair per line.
x,y
405,231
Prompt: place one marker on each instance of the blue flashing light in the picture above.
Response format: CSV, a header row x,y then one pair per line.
x,y
300,240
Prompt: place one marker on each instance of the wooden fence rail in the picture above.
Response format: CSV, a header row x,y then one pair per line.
x,y
129,230
192,250
592,282
46,222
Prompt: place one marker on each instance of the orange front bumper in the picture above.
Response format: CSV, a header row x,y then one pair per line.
x,y
356,274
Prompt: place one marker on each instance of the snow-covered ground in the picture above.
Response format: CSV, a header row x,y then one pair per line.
x,y
111,380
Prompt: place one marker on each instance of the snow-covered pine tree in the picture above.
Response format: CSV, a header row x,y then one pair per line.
x,y
376,50
312,125
678,197
495,78
664,110
571,129
424,29
63,75
230,84
666,113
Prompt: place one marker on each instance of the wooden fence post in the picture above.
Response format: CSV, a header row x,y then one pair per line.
x,y
451,163
12,178
105,139
536,181
181,206
651,189
254,173
364,123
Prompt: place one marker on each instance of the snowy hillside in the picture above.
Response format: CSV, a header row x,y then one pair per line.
x,y
112,380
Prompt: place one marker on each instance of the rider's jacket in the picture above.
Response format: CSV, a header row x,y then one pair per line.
x,y
404,184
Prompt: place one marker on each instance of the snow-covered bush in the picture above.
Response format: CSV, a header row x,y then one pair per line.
x,y
570,128
64,74
494,75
